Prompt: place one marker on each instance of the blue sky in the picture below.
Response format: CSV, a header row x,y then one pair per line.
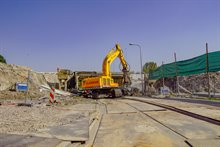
x,y
77,34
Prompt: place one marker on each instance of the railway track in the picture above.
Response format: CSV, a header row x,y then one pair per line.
x,y
177,133
184,112
95,125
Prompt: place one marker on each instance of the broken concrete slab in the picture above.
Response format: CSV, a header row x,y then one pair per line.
x,y
120,108
204,142
77,129
189,127
132,130
14,140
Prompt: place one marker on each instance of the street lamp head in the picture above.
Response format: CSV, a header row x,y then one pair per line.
x,y
131,43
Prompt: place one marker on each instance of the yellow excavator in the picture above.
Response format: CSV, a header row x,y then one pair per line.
x,y
104,85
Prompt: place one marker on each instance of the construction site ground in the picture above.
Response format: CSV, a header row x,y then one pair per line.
x,y
28,119
106,122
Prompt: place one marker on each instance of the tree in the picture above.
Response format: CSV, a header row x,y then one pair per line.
x,y
2,59
149,66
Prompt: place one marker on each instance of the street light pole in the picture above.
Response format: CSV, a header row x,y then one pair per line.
x,y
142,86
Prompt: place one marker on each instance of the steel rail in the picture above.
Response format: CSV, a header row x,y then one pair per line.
x,y
181,111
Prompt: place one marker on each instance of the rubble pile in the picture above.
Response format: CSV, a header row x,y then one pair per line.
x,y
199,83
193,83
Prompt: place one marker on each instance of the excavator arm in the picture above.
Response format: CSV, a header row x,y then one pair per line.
x,y
122,59
110,57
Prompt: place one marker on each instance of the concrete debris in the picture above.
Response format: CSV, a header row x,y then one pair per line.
x,y
193,83
199,83
136,81
59,92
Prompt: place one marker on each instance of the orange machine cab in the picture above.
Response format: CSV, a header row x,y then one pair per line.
x,y
99,82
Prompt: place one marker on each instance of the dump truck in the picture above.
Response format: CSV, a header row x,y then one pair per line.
x,y
104,84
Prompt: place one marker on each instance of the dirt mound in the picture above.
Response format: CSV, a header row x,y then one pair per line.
x,y
12,74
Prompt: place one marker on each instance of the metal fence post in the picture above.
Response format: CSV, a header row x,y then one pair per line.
x,y
177,78
28,79
207,68
163,75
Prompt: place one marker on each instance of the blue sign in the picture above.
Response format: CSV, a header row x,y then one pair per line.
x,y
164,90
21,87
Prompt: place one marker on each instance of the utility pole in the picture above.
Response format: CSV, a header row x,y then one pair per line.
x,y
163,78
214,85
28,78
207,68
177,78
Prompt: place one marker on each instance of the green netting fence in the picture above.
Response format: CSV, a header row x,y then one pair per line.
x,y
196,65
